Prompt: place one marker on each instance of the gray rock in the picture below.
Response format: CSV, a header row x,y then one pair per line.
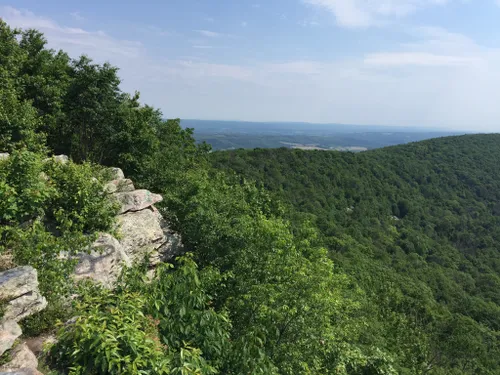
x,y
9,332
63,159
26,305
17,281
116,173
140,234
22,371
104,263
22,357
119,186
4,155
136,200
19,287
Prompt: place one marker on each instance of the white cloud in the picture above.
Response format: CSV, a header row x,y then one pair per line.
x,y
75,41
210,34
440,78
366,13
389,59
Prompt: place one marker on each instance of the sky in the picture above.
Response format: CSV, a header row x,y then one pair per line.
x,y
427,63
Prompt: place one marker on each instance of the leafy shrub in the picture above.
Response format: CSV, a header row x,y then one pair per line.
x,y
112,335
185,314
166,326
49,209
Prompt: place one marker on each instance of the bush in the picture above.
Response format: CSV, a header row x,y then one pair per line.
x,y
112,335
166,326
49,209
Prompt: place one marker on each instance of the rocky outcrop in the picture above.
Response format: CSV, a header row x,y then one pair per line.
x,y
104,263
21,357
19,288
63,159
9,332
20,297
141,232
136,200
119,186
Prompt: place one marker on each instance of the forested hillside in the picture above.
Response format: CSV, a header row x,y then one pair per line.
x,y
379,263
418,226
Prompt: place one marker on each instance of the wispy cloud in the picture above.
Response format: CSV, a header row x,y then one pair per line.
x,y
77,16
363,13
76,41
388,59
210,34
157,31
310,23
435,77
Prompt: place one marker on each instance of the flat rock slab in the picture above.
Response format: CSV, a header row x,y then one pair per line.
x,y
137,200
19,288
22,357
17,282
26,305
9,332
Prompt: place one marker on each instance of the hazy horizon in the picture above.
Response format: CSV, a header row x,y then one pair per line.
x,y
332,124
431,63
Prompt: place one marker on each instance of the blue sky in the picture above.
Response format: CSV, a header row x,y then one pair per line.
x,y
429,63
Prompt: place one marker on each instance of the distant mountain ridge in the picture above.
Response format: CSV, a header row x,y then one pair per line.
x,y
223,135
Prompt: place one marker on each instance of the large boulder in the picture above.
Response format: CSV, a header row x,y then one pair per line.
x,y
63,159
19,289
140,233
136,200
105,261
21,358
147,233
116,173
9,332
119,186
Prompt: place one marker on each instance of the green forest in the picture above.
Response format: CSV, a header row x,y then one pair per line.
x,y
298,262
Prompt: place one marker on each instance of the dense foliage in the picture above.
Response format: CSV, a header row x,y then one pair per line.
x,y
418,226
369,271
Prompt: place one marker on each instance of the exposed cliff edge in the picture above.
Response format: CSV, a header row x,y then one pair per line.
x,y
20,298
140,232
